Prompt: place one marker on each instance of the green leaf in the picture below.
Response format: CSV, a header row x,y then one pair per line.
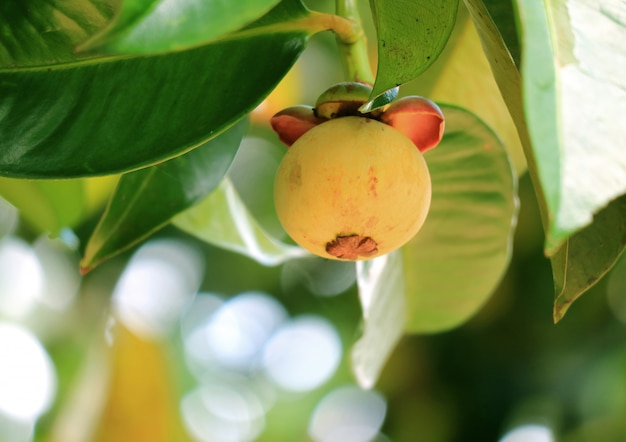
x,y
575,99
411,35
149,26
48,206
616,288
146,200
573,102
45,32
223,220
509,82
113,114
478,92
503,15
588,255
455,262
381,292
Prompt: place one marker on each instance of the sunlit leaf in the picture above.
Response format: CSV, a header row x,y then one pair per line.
x,y
575,97
120,113
505,73
149,26
381,292
146,200
223,220
48,206
588,255
411,35
466,80
454,263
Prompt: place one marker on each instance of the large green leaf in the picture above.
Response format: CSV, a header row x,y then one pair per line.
x,y
114,114
148,26
575,100
455,262
506,75
411,35
48,206
223,220
147,199
588,255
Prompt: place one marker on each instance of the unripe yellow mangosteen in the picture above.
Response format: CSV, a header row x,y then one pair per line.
x,y
352,188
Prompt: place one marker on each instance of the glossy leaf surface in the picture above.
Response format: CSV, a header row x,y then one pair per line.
x,y
45,32
149,26
411,35
223,220
147,199
120,113
455,262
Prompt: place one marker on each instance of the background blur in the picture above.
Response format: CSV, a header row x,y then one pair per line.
x,y
177,340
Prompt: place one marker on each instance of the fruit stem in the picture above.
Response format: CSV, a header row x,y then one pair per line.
x,y
353,45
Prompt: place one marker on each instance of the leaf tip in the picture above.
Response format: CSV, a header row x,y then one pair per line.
x,y
560,308
84,269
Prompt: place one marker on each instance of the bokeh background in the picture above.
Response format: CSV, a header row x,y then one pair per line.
x,y
178,340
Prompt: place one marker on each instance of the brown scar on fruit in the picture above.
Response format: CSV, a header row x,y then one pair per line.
x,y
352,246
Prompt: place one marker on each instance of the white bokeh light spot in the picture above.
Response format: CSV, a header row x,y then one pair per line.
x,y
303,354
223,413
21,277
240,328
59,265
348,414
27,376
529,433
161,278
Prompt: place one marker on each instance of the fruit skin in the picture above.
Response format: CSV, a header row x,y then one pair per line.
x,y
352,188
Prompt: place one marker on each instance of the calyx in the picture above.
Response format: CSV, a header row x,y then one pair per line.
x,y
418,118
